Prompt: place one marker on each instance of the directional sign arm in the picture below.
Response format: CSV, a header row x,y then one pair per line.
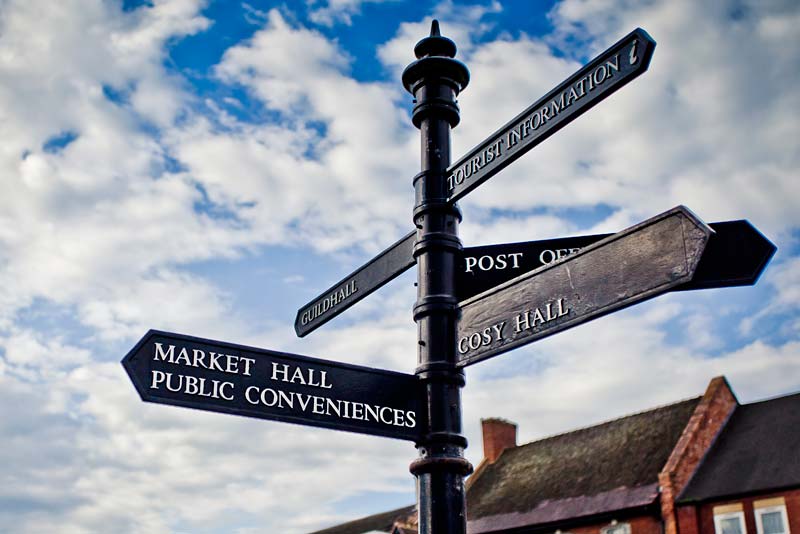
x,y
736,255
380,270
215,376
601,77
636,264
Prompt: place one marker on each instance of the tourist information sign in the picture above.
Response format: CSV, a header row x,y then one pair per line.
x,y
601,77
636,264
383,268
186,371
736,255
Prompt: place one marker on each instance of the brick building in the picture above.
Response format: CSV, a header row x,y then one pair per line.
x,y
706,465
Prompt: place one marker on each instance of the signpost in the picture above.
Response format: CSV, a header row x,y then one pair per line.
x,y
472,303
214,376
636,264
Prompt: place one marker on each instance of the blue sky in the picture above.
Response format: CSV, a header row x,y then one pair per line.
x,y
209,167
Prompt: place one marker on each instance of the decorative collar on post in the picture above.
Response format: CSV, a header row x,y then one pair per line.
x,y
435,62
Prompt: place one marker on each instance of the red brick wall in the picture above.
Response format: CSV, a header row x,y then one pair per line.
x,y
709,417
639,525
792,497
688,520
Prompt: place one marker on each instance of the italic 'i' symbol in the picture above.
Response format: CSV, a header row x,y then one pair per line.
x,y
633,59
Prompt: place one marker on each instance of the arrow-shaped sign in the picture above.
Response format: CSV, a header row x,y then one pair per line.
x,y
636,264
601,77
380,270
215,376
736,255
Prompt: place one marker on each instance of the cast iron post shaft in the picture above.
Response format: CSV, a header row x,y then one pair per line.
x,y
435,80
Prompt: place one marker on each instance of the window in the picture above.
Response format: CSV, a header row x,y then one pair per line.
x,y
771,516
616,528
729,522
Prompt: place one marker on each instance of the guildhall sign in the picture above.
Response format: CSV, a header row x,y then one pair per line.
x,y
473,303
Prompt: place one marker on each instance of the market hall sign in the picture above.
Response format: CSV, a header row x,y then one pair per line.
x,y
179,370
636,264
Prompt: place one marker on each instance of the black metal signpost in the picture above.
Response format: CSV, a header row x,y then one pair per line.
x,y
472,303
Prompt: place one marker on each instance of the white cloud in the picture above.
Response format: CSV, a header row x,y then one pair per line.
x,y
612,367
785,277
101,231
462,24
97,213
330,12
707,125
332,171
133,467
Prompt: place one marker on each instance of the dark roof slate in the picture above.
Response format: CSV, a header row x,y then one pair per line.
x,y
379,522
758,450
610,466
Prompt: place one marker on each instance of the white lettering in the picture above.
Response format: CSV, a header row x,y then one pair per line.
x,y
158,377
169,354
550,255
411,419
222,390
183,355
532,318
276,370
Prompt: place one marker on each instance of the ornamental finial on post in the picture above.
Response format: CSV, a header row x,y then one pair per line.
x,y
435,67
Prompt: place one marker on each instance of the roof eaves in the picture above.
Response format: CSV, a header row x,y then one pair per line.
x,y
573,508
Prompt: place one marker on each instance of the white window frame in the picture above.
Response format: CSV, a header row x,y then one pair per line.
x,y
768,510
729,515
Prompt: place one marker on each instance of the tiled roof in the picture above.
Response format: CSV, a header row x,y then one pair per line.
x,y
606,467
379,522
758,450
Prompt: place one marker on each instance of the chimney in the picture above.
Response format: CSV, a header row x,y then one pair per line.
x,y
498,435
